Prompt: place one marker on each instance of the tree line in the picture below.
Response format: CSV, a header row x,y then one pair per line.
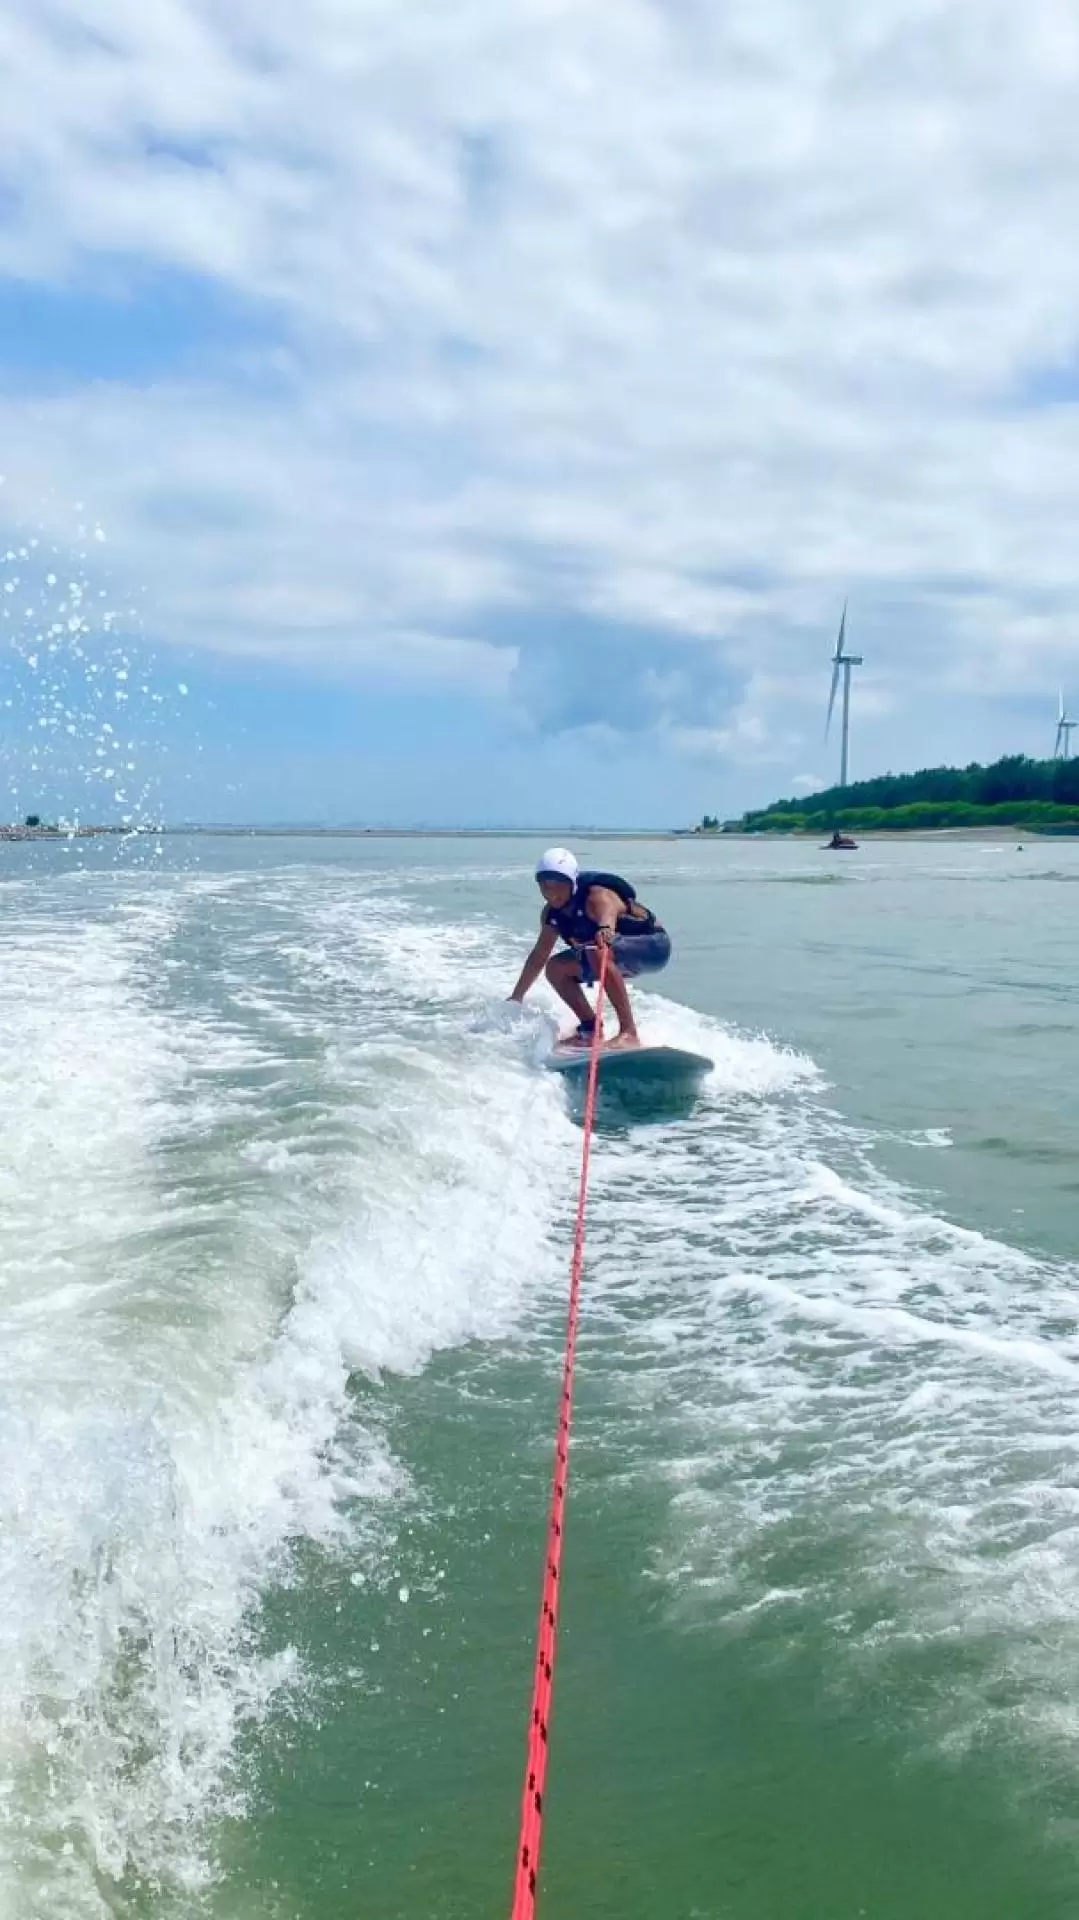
x,y
1012,791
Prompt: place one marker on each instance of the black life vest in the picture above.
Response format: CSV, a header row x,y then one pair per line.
x,y
575,923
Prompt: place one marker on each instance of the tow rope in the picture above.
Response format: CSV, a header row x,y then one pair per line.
x,y
531,1835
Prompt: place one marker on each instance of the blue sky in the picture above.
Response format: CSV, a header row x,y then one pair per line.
x,y
483,412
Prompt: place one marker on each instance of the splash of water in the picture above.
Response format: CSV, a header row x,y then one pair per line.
x,y
82,698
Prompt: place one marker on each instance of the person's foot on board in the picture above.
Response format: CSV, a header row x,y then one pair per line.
x,y
581,1037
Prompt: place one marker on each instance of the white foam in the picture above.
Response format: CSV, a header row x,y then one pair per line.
x,y
858,1406
214,1210
744,1064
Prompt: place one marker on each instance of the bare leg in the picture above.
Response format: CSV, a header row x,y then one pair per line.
x,y
564,974
627,1035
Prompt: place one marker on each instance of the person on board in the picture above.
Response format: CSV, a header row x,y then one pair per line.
x,y
589,910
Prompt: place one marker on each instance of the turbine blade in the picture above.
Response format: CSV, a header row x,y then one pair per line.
x,y
836,671
1060,714
838,654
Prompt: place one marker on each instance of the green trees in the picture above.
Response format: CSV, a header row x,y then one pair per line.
x,y
1013,791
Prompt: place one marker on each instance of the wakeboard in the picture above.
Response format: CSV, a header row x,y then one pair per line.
x,y
632,1066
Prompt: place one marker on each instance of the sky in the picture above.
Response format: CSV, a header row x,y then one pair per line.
x,y
479,414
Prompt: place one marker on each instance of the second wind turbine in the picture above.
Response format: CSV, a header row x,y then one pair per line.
x,y
842,664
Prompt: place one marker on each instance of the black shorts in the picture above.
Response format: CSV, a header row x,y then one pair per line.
x,y
633,953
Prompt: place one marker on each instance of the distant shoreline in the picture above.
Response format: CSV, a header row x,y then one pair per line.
x,y
14,834
1001,835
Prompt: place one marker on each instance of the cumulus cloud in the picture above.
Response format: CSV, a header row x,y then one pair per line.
x,y
619,340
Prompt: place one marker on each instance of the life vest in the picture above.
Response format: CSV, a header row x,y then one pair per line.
x,y
575,923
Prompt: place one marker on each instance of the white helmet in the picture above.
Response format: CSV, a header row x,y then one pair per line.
x,y
558,863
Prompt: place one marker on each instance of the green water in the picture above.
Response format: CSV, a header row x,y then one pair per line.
x,y
819,1645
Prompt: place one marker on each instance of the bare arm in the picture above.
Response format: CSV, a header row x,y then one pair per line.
x,y
605,908
537,960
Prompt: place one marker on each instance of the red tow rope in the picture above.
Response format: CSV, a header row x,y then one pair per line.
x,y
528,1848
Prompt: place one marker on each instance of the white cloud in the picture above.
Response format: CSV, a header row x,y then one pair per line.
x,y
691,317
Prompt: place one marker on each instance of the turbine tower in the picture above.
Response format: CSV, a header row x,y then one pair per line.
x,y
1065,728
842,664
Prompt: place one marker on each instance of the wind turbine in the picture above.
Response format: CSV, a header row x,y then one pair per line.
x,y
1065,728
842,664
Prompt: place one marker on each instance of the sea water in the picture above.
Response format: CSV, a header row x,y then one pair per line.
x,y
285,1217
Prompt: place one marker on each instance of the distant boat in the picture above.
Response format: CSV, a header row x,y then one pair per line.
x,y
839,843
